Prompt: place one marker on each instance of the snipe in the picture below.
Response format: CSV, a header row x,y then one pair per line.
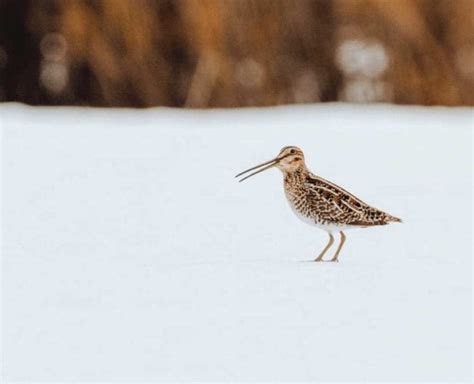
x,y
319,202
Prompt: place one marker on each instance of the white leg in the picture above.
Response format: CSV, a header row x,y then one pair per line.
x,y
330,242
343,239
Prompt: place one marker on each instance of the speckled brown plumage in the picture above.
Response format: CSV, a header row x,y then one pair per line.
x,y
319,202
326,203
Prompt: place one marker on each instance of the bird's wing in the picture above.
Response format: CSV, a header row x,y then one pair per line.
x,y
335,204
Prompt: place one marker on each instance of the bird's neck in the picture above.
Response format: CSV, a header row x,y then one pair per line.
x,y
296,176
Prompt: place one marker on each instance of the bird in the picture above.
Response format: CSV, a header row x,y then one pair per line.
x,y
320,202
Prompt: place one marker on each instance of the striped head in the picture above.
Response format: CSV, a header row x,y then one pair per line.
x,y
290,159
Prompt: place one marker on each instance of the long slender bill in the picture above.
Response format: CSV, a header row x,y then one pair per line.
x,y
257,166
268,164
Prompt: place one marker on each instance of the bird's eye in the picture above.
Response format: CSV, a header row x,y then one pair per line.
x,y
292,151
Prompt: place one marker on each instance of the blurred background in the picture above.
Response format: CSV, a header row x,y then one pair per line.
x,y
234,53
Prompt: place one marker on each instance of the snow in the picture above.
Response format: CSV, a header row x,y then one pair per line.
x,y
130,252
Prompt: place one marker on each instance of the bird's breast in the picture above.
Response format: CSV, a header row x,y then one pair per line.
x,y
299,205
307,213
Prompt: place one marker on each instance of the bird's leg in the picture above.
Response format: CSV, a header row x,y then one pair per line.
x,y
331,241
343,239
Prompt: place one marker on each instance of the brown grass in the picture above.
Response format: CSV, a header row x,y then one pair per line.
x,y
229,53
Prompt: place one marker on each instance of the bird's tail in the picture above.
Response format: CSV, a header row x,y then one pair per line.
x,y
393,219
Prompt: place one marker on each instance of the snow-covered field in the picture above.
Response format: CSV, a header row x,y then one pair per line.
x,y
130,252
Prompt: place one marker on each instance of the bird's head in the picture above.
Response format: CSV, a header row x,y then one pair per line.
x,y
288,160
